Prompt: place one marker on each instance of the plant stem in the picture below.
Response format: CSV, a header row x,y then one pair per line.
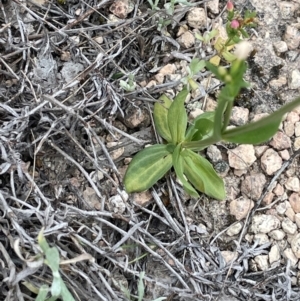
x,y
199,145
227,42
227,115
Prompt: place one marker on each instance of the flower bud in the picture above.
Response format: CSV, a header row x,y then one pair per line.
x,y
227,78
234,24
229,6
222,71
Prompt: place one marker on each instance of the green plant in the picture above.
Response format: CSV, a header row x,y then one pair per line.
x,y
182,143
236,30
169,9
194,67
207,37
141,290
129,85
58,287
170,6
162,24
154,5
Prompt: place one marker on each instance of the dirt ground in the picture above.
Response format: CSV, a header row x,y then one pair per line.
x,y
68,131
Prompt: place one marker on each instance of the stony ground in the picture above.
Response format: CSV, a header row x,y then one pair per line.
x,y
68,131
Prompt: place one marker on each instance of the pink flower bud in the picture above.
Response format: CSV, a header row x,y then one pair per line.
x,y
234,24
229,6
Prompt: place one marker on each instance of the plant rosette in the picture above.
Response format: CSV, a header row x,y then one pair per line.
x,y
183,142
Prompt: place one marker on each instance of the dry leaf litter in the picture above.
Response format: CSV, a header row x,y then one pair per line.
x,y
68,132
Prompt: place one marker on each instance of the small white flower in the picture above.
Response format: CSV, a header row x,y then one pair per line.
x,y
242,50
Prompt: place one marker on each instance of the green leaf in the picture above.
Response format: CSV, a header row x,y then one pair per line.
x,y
236,39
177,117
52,256
65,293
196,65
244,33
34,289
170,147
219,44
250,14
201,127
205,127
252,133
160,116
202,175
127,86
125,291
147,167
199,37
141,287
56,287
178,166
213,33
42,241
43,291
237,71
117,75
261,130
228,56
230,15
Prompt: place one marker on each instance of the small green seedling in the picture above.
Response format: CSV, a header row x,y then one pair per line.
x,y
58,288
169,7
141,290
162,24
194,67
129,85
207,37
182,142
154,4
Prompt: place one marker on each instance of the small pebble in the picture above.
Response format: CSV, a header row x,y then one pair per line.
x,y
277,234
235,229
288,226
